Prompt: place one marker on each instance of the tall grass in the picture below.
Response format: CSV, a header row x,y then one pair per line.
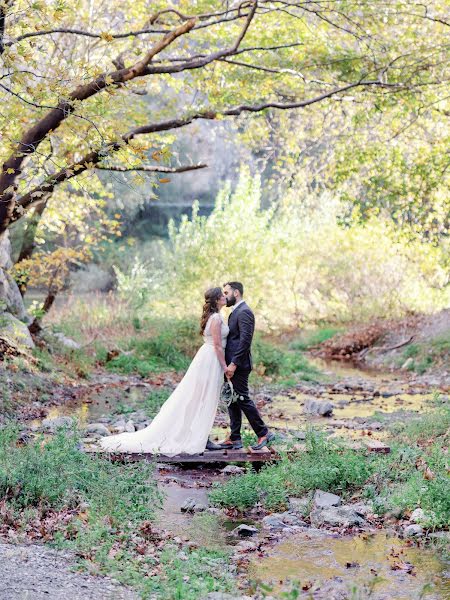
x,y
104,512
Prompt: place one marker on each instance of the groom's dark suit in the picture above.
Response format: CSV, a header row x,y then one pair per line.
x,y
242,325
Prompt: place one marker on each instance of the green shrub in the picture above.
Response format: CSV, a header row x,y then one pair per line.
x,y
167,345
324,465
314,338
279,362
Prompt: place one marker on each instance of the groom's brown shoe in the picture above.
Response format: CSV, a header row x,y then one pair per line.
x,y
231,444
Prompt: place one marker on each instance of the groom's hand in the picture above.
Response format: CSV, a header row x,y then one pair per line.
x,y
230,370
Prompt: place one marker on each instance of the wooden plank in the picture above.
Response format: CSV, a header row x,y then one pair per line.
x,y
208,457
377,446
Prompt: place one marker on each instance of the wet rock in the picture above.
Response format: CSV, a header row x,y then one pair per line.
x,y
417,516
245,530
336,516
278,521
315,407
97,428
325,499
191,506
53,424
274,521
232,470
413,531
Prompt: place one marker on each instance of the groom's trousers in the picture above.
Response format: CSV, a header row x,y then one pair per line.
x,y
244,405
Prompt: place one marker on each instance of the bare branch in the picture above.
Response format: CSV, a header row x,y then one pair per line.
x,y
152,168
92,159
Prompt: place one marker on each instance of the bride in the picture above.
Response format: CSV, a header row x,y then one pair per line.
x,y
184,422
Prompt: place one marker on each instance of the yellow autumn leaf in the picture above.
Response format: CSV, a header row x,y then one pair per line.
x,y
164,180
109,80
106,36
10,171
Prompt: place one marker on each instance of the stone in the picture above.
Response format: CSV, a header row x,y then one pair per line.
x,y
315,407
66,342
56,423
362,509
278,521
232,470
11,299
417,516
325,499
244,530
336,516
413,531
300,505
17,331
274,521
191,506
408,363
245,546
119,424
129,426
299,435
97,428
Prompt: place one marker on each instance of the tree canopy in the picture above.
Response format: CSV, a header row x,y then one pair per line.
x,y
95,85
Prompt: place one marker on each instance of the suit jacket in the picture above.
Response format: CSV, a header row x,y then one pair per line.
x,y
242,325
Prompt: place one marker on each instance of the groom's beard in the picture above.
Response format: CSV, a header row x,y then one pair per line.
x,y
231,301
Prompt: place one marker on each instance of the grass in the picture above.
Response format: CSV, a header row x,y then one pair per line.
x,y
415,474
309,339
425,355
280,363
104,512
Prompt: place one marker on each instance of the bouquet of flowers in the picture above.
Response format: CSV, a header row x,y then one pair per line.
x,y
227,393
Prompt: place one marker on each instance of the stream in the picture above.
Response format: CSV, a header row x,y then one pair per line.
x,y
374,564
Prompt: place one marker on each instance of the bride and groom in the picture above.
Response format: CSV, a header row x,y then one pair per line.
x,y
184,422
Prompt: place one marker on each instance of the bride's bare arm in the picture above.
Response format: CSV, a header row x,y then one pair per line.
x,y
216,326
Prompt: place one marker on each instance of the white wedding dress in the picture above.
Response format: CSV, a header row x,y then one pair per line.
x,y
184,422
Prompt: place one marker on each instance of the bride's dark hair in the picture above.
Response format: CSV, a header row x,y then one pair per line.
x,y
211,298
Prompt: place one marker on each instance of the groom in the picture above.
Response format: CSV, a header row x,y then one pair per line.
x,y
239,360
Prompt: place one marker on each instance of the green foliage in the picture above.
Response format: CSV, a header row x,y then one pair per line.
x,y
155,400
190,577
427,353
273,360
167,345
314,338
324,466
287,257
391,481
56,475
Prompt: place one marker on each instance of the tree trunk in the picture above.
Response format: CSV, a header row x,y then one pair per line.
x,y
29,240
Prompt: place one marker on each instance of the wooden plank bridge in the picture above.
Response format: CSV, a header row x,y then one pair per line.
x,y
213,457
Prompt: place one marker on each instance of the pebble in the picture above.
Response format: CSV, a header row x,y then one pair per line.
x,y
413,531
232,470
49,575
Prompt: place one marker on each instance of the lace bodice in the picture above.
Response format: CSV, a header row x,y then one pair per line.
x,y
224,330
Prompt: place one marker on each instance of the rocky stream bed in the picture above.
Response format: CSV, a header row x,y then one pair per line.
x,y
326,545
